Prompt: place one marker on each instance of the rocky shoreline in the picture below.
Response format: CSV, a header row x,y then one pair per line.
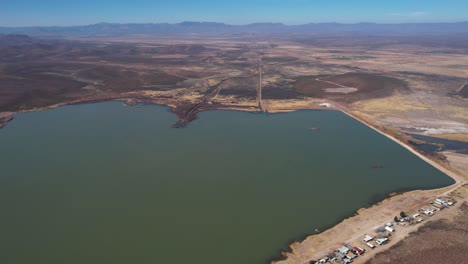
x,y
5,119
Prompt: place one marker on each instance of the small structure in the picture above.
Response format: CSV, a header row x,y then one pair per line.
x,y
367,238
380,230
444,201
343,249
381,241
324,260
359,250
325,105
438,206
370,245
351,255
339,255
427,212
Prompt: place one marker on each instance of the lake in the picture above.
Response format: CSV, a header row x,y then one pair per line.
x,y
104,183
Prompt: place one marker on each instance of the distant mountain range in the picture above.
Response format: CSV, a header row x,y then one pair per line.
x,y
15,40
211,28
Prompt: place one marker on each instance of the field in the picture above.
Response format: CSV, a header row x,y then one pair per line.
x,y
396,81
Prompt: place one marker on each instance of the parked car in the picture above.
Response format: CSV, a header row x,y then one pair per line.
x,y
359,250
372,246
381,241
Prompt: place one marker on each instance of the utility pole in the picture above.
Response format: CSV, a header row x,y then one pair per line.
x,y
259,87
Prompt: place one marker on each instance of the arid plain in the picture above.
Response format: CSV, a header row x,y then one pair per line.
x,y
401,86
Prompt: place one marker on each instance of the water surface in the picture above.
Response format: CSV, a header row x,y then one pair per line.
x,y
104,183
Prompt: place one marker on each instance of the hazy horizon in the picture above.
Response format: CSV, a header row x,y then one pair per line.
x,y
231,24
24,13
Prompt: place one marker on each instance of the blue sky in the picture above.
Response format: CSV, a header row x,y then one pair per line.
x,y
80,12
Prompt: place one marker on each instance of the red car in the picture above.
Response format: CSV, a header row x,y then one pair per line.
x,y
359,250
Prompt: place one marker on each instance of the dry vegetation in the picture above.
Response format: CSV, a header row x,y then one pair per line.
x,y
363,76
440,241
362,86
400,84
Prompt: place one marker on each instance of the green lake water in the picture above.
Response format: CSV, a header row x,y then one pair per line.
x,y
103,183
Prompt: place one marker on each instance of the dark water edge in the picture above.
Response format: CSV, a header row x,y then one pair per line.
x,y
5,120
433,144
426,147
298,116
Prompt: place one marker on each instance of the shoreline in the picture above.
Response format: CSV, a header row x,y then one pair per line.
x,y
6,117
457,178
452,173
312,104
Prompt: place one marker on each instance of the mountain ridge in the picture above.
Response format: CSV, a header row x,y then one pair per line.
x,y
215,28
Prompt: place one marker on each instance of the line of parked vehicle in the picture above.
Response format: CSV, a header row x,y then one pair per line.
x,y
347,253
